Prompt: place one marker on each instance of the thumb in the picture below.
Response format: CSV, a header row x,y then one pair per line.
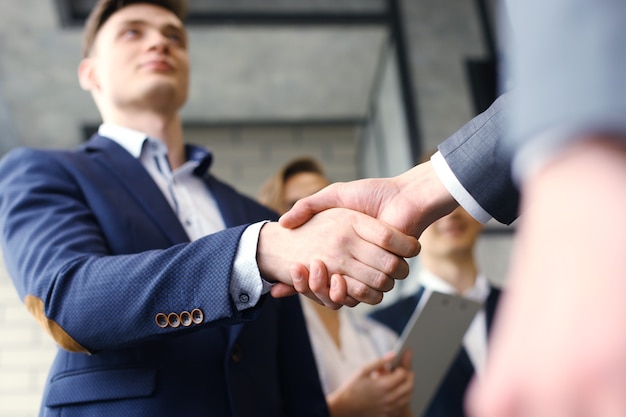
x,y
309,206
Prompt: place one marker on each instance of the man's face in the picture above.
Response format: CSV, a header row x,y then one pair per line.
x,y
140,59
454,234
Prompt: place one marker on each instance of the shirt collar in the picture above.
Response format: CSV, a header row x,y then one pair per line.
x,y
478,292
130,139
201,157
133,141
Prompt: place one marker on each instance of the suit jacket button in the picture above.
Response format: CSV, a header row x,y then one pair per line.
x,y
173,319
185,319
244,298
161,320
197,316
235,353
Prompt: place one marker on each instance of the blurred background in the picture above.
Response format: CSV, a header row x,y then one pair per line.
x,y
365,86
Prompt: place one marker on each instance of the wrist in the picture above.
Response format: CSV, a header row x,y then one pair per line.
x,y
431,199
268,255
337,407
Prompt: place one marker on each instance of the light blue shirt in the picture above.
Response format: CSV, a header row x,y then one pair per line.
x,y
194,206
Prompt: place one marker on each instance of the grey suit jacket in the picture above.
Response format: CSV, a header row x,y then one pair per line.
x,y
475,155
567,65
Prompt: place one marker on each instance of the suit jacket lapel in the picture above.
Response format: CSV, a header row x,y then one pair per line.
x,y
232,211
142,188
135,179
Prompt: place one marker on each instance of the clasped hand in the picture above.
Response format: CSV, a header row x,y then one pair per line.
x,y
399,208
366,253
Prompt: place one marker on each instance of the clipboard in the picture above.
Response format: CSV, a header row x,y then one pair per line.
x,y
434,334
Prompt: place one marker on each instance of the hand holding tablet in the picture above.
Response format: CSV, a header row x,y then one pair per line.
x,y
434,334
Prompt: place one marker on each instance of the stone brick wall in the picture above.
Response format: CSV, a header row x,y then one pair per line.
x,y
26,353
247,155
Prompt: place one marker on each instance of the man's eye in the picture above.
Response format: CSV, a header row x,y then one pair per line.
x,y
129,33
175,37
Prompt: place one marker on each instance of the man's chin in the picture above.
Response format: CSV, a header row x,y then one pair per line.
x,y
164,95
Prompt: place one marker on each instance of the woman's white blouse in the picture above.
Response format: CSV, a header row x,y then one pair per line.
x,y
362,340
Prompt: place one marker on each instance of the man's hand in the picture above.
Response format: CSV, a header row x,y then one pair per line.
x,y
410,202
368,253
331,291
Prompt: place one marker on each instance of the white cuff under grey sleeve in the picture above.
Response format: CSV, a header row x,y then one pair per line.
x,y
456,189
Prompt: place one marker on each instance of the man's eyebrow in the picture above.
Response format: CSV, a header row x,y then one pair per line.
x,y
171,26
138,22
133,22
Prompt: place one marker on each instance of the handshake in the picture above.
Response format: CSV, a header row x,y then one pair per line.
x,y
347,243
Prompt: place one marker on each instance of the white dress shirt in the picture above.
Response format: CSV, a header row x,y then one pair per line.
x,y
194,206
362,341
475,338
456,189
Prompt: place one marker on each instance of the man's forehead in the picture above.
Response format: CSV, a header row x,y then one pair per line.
x,y
146,14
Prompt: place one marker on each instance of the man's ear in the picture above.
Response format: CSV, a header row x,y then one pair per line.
x,y
86,74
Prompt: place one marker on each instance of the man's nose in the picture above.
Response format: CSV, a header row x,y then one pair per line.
x,y
159,42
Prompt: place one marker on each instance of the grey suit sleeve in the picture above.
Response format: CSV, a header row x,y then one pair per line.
x,y
475,156
567,63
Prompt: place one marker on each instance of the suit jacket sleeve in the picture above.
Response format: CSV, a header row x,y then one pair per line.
x,y
476,157
86,295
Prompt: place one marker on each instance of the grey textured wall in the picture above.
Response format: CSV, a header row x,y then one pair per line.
x,y
442,34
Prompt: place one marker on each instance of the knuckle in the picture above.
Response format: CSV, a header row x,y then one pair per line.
x,y
391,264
332,305
402,271
382,282
385,236
351,302
365,294
359,291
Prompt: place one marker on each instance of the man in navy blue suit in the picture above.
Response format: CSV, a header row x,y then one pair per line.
x,y
152,275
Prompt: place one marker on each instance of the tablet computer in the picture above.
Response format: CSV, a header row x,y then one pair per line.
x,y
434,334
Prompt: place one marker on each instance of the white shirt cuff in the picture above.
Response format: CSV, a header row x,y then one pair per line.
x,y
456,189
246,284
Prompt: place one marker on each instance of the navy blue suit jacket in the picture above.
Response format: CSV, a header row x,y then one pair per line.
x,y
449,398
96,253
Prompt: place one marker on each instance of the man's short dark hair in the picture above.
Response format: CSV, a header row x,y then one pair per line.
x,y
106,8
